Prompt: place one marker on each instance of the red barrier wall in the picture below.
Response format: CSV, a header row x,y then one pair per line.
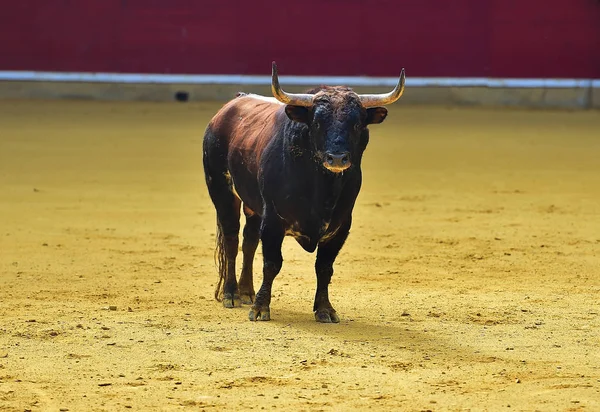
x,y
465,38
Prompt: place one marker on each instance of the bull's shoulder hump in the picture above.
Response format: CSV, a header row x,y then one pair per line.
x,y
244,105
265,99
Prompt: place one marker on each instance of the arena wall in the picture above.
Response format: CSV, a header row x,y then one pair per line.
x,y
463,39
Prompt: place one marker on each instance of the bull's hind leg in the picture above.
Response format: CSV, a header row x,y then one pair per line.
x,y
249,245
230,243
326,254
228,216
227,205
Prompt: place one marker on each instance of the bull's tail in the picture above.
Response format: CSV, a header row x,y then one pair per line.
x,y
221,262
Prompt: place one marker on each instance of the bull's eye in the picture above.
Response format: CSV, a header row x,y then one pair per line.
x,y
358,127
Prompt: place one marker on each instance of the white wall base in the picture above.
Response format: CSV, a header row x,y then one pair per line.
x,y
561,93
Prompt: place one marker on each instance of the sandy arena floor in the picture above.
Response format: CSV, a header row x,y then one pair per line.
x,y
470,281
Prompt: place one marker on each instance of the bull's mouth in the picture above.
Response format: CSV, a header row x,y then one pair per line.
x,y
335,169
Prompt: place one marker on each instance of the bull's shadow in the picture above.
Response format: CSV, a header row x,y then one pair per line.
x,y
408,336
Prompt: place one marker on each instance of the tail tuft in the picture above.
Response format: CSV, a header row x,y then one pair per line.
x,y
221,262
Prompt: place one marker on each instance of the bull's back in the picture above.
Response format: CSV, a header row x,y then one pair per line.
x,y
237,138
245,124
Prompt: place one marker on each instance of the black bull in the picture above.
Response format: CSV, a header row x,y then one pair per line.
x,y
293,161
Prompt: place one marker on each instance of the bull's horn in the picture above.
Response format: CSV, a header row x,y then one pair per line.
x,y
295,99
372,100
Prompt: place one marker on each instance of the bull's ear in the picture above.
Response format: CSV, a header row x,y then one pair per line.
x,y
297,113
376,115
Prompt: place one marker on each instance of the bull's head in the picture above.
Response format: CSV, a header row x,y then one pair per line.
x,y
337,119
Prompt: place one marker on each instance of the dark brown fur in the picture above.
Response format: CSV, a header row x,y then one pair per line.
x,y
269,157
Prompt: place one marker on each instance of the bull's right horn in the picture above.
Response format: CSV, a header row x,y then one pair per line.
x,y
295,99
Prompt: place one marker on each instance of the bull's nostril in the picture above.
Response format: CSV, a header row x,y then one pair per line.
x,y
337,161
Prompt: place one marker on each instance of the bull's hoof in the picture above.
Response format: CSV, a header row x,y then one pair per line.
x,y
327,316
231,300
247,299
259,313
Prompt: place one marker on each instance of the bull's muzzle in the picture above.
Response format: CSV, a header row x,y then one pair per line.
x,y
337,162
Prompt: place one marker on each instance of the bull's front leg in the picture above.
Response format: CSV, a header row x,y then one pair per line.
x,y
326,254
272,234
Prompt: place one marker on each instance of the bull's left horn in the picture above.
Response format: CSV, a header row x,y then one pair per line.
x,y
295,99
372,100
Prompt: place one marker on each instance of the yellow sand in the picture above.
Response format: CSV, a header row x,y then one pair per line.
x,y
471,278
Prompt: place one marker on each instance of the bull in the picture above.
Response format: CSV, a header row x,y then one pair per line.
x,y
292,163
